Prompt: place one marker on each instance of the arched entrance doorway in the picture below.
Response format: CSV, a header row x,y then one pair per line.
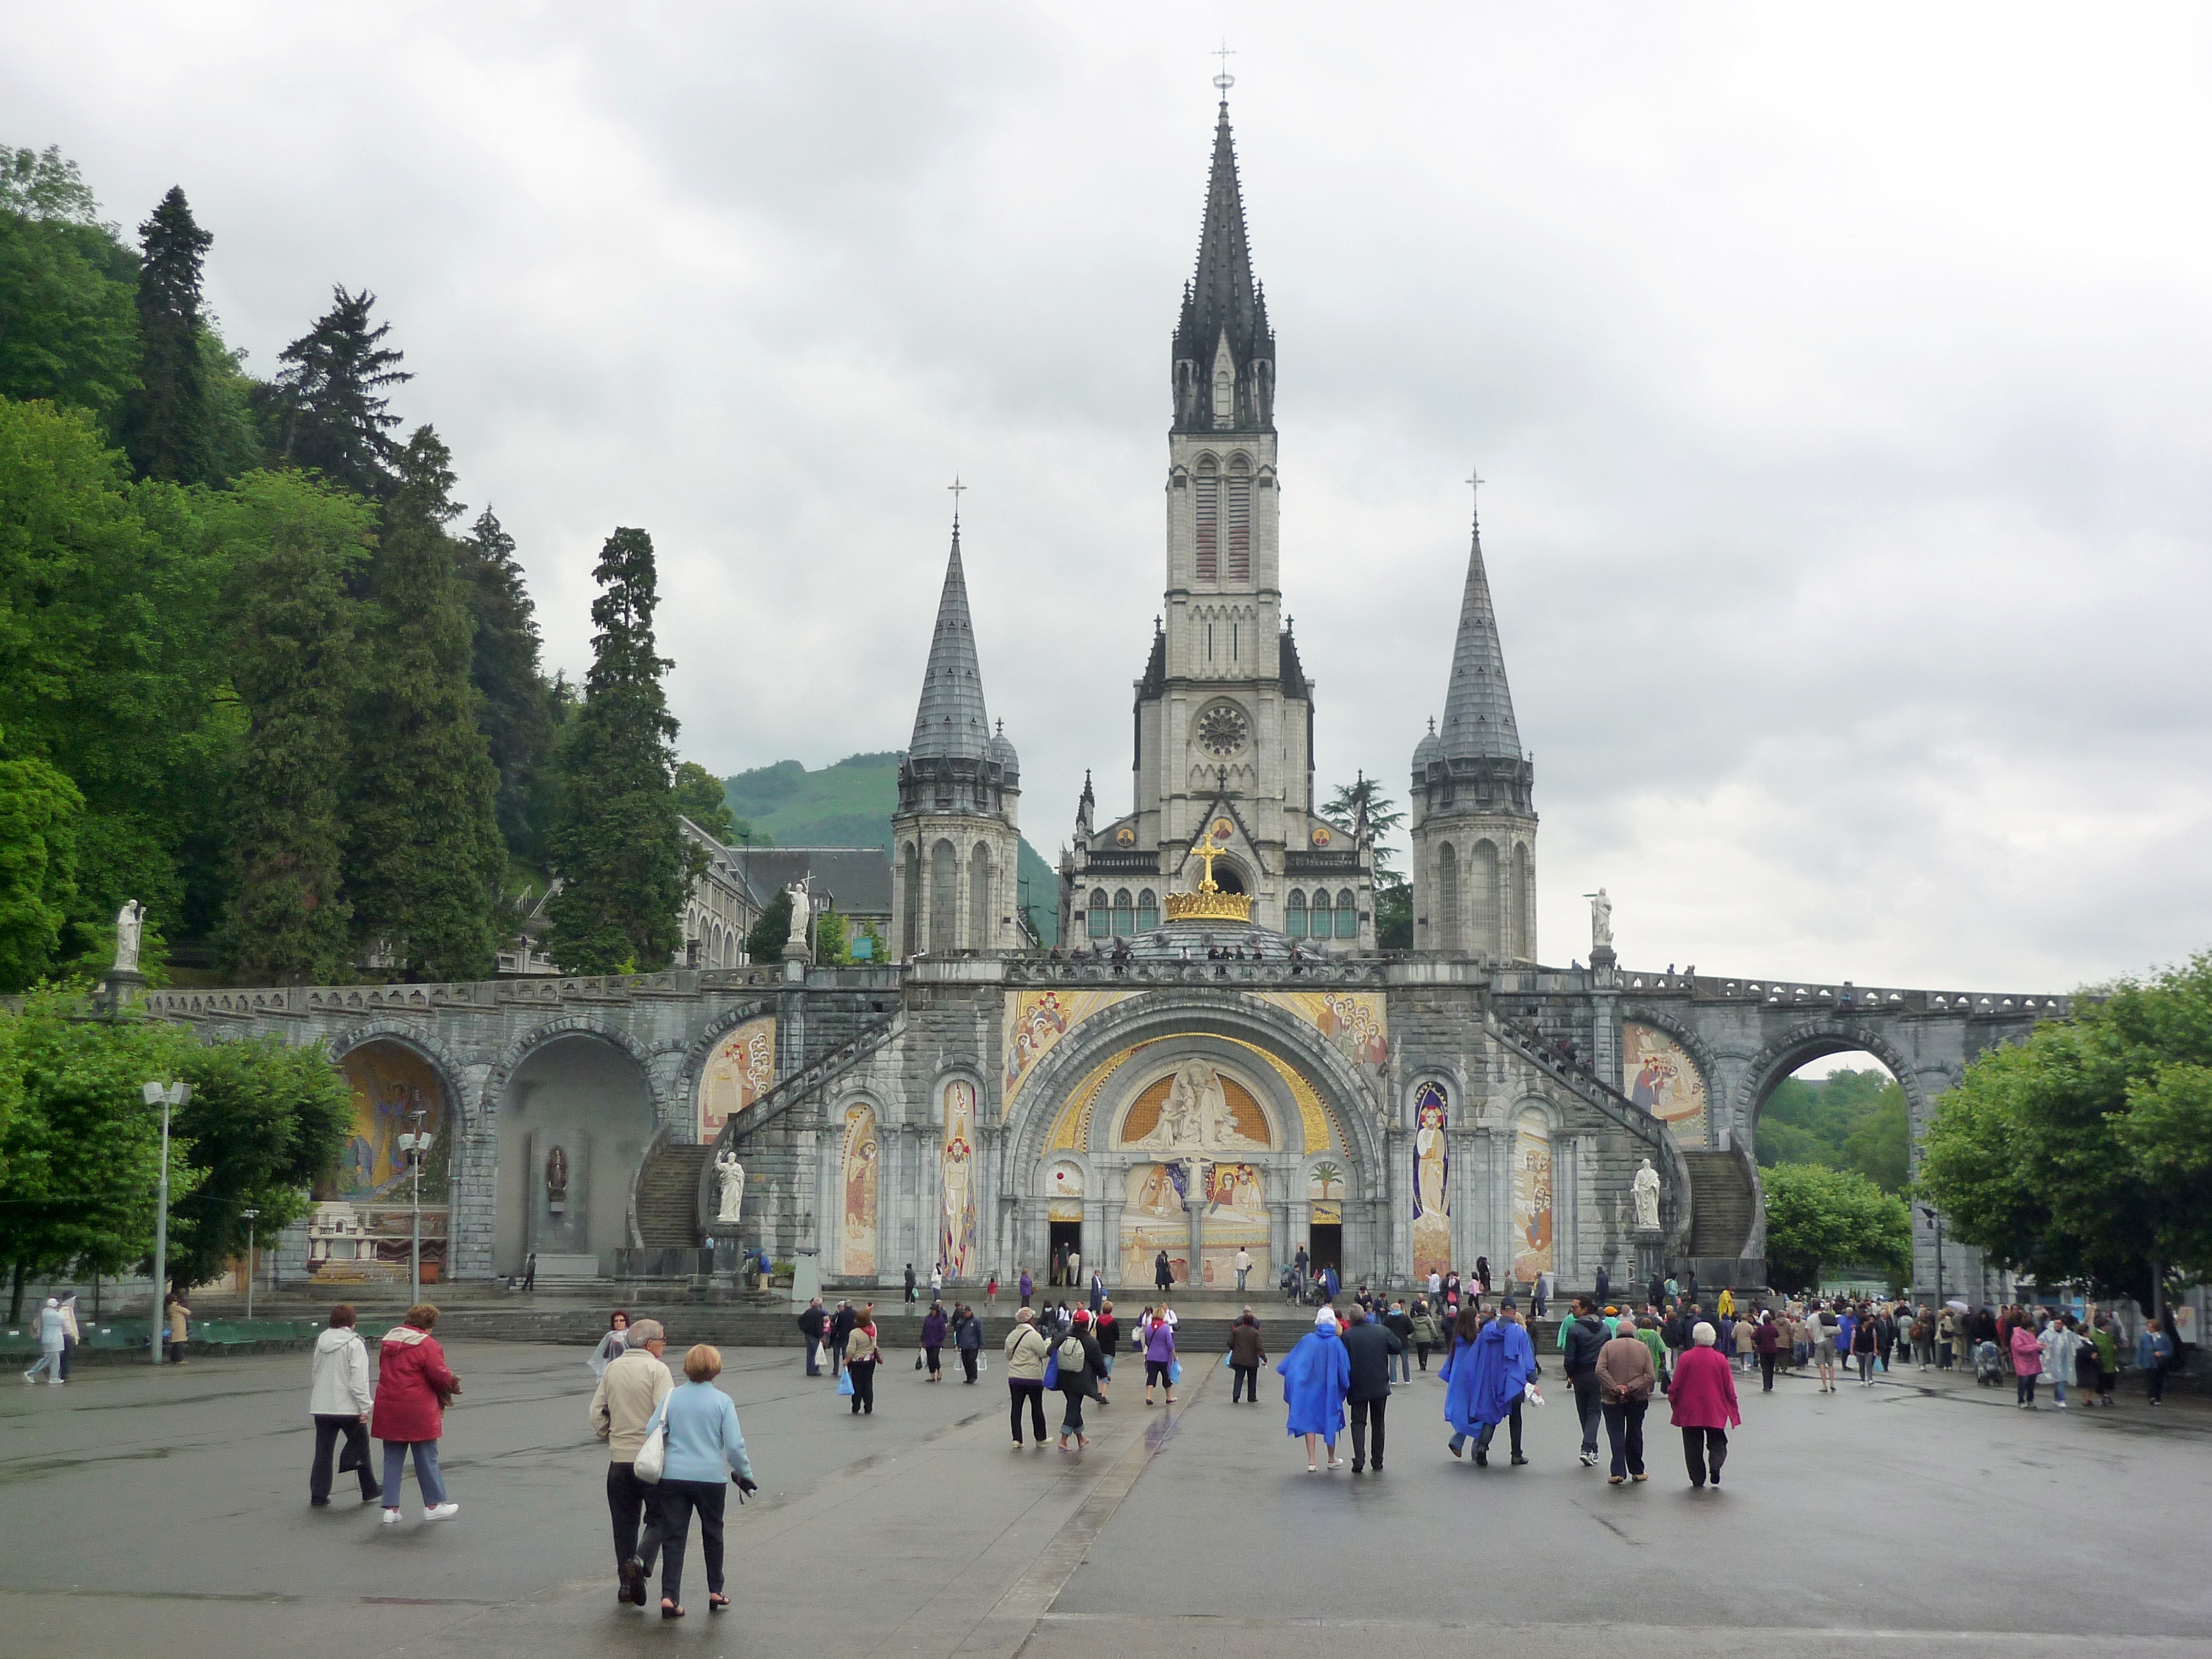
x,y
363,1226
574,1126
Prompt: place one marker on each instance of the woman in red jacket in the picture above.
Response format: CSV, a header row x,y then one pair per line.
x,y
412,1391
1703,1395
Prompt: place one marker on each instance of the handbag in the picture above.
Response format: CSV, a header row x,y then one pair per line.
x,y
917,1361
355,1455
1052,1369
844,1385
653,1455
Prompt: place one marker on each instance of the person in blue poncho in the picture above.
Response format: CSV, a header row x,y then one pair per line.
x,y
1316,1376
1487,1378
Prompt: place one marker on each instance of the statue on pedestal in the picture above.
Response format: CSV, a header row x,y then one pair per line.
x,y
795,944
130,927
1600,921
1644,1190
556,1180
732,1175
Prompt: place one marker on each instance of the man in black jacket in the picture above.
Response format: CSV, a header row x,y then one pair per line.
x,y
1399,1324
1604,1285
1585,1335
840,1333
811,1326
1656,1294
1369,1345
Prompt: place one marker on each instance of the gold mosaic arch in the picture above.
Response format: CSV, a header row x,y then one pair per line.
x,y
1071,1130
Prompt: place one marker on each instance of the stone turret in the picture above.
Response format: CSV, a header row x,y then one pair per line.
x,y
956,836
1473,802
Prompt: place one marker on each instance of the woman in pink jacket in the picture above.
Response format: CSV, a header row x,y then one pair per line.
x,y
413,1390
1703,1395
2027,1362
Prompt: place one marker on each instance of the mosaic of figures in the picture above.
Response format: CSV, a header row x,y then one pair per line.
x,y
1532,1197
1660,1077
1197,1108
740,1071
858,1164
362,1227
1154,1218
1432,1237
955,1228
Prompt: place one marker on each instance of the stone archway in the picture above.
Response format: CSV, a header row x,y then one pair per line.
x,y
576,1116
362,1229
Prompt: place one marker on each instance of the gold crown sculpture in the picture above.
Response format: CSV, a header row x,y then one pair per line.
x,y
1209,903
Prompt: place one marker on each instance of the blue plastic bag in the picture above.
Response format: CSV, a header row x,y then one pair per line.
x,y
1052,1368
844,1385
1175,1372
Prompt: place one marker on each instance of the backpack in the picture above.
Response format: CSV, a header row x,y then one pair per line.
x,y
1069,1363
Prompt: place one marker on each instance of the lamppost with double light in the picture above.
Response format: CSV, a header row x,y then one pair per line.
x,y
249,1215
1936,1220
168,1097
415,1147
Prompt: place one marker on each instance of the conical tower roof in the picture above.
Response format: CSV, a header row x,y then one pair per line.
x,y
950,722
1478,720
1223,298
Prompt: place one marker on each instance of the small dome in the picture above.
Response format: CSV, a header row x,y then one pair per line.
x,y
1427,749
1000,751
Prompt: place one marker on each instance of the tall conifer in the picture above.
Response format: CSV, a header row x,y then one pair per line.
x,y
618,850
424,856
328,412
516,704
165,421
292,660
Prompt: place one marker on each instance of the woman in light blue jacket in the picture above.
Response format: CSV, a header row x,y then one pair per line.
x,y
703,1444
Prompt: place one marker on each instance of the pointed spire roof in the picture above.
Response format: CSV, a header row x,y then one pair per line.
x,y
951,723
1222,293
1478,720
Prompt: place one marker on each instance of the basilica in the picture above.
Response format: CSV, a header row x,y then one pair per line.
x,y
1218,1058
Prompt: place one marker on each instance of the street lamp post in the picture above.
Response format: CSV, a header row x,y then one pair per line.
x,y
167,1098
249,1215
415,1145
1936,1220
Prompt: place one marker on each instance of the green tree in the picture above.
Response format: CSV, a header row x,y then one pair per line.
x,y
328,411
764,941
1818,1216
69,328
514,702
80,1156
1881,1147
294,541
701,797
1394,916
264,1122
619,849
1384,817
833,945
38,808
423,851
2076,1155
165,421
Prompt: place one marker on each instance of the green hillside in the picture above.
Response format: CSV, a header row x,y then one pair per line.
x,y
850,805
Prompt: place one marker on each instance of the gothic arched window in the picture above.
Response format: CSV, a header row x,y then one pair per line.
x,y
1444,908
944,896
1206,502
1294,914
1240,520
978,897
1101,920
1224,398
1489,934
912,942
1347,915
1320,910
1148,911
1125,915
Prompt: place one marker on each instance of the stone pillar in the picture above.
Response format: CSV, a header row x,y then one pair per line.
x,y
1194,1213
1281,1247
1109,1240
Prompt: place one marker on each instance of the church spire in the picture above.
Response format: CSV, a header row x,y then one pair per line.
x,y
1223,350
951,723
1478,721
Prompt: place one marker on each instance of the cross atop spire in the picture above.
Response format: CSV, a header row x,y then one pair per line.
x,y
1225,80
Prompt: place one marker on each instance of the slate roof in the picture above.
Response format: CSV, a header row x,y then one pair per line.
x,y
1478,722
951,723
1222,294
859,877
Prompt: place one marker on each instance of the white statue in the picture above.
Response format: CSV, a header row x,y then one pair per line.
x,y
129,925
1196,1115
1601,921
732,1176
1645,1190
801,909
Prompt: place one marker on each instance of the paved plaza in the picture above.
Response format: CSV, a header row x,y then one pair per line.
x,y
167,1512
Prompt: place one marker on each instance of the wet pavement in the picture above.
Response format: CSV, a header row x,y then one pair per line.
x,y
166,1509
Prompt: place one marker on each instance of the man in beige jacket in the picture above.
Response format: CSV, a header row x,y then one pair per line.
x,y
629,1389
1626,1378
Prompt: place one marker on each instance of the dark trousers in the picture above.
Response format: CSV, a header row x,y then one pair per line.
x,y
1071,1420
671,1524
1365,1411
1766,1373
931,1355
68,1356
1421,1349
837,1353
1244,1381
863,1373
632,1504
1701,1446
1624,1433
327,1430
968,1364
1513,1423
2155,1382
2024,1387
1586,1407
1018,1390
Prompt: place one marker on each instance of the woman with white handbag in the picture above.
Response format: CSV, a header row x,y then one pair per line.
x,y
691,1442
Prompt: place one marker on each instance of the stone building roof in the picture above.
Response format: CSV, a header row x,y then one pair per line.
x,y
858,878
951,723
1221,298
1478,722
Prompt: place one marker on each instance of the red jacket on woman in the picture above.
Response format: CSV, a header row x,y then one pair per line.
x,y
412,1386
1703,1392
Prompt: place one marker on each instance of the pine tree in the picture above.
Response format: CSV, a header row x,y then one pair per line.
x,y
292,656
516,704
619,850
328,414
165,421
424,853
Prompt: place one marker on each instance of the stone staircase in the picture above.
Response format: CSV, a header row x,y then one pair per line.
x,y
668,1197
1721,1205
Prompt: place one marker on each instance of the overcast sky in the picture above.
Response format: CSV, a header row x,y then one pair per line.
x,y
1840,384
